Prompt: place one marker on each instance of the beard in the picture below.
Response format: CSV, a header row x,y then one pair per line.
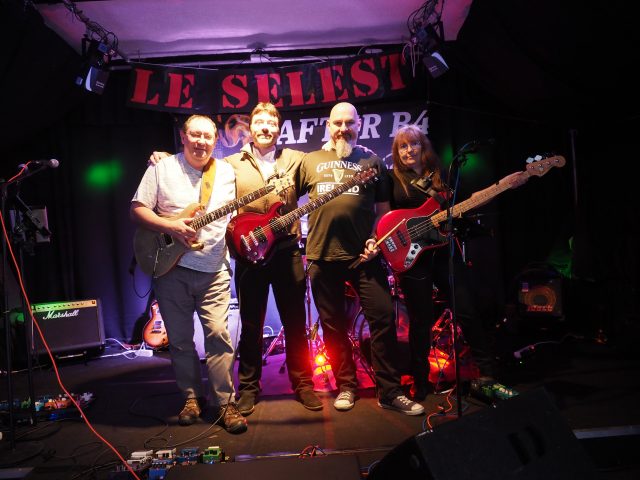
x,y
343,148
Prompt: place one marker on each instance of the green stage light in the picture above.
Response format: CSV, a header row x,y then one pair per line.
x,y
105,174
476,164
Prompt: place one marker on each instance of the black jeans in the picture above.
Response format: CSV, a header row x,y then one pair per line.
x,y
417,287
370,282
285,274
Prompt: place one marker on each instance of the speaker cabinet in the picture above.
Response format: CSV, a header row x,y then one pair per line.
x,y
68,326
521,438
539,297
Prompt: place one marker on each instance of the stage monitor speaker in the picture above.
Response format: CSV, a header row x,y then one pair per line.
x,y
68,326
333,467
521,438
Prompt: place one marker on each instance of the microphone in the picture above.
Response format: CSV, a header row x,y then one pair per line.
x,y
474,145
51,163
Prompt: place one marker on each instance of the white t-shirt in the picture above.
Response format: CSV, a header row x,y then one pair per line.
x,y
267,162
171,185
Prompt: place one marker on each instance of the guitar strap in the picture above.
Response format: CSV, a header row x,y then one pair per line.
x,y
424,185
441,199
206,187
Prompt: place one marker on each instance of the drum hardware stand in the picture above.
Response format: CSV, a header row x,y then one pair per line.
x,y
278,338
316,343
356,345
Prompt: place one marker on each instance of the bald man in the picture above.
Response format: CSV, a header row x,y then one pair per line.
x,y
339,233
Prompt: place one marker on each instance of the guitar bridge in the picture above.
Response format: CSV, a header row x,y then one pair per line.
x,y
250,243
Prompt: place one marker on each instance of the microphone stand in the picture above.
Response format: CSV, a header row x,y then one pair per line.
x,y
28,325
458,161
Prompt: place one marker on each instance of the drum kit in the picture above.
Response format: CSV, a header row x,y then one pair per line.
x,y
358,331
359,327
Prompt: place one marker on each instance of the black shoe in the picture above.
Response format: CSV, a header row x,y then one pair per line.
x,y
402,404
309,400
231,419
246,404
419,392
190,412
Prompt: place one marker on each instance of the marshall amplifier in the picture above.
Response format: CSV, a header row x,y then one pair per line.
x,y
68,326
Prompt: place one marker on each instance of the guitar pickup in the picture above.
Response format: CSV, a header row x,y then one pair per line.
x,y
164,240
390,244
402,238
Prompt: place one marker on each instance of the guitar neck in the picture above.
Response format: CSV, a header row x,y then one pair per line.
x,y
292,216
478,198
230,207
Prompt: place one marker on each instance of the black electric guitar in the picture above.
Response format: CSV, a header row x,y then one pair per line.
x,y
405,234
157,253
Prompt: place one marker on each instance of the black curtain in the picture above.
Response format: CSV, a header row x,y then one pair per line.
x,y
523,88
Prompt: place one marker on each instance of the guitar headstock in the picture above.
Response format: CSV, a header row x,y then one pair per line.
x,y
538,165
366,176
280,183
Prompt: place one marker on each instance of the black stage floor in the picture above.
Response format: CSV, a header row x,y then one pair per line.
x,y
594,387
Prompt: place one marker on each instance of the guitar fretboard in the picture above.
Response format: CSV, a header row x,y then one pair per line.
x,y
472,202
230,207
284,221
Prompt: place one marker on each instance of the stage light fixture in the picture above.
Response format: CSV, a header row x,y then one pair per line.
x,y
94,73
430,42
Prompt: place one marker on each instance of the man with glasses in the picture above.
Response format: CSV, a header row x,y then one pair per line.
x,y
200,282
284,272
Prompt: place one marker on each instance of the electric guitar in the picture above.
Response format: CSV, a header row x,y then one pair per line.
x,y
405,234
154,334
157,253
251,236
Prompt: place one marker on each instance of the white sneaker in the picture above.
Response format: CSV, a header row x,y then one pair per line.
x,y
403,405
345,401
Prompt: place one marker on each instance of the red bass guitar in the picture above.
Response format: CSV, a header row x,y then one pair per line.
x,y
251,236
405,234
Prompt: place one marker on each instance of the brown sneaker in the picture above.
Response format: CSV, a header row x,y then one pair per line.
x,y
190,412
231,419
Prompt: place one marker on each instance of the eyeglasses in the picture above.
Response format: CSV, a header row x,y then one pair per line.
x,y
405,146
197,134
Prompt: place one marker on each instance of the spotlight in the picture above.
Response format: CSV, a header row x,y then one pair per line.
x,y
435,64
430,42
321,360
94,74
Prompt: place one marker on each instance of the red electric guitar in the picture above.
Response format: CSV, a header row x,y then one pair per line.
x,y
154,334
251,236
404,234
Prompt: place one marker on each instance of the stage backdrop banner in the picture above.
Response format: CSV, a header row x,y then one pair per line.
x,y
306,130
357,79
